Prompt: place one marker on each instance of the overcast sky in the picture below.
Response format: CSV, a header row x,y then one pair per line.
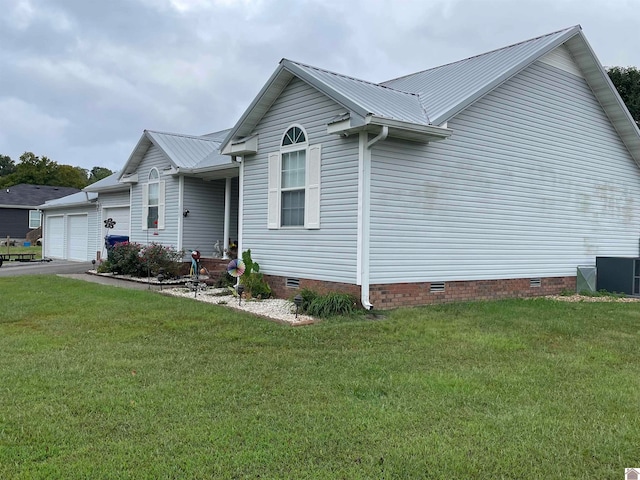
x,y
81,79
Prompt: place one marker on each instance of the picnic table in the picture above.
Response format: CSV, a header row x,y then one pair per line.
x,y
18,257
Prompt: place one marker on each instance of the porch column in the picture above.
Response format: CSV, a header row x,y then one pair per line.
x,y
227,215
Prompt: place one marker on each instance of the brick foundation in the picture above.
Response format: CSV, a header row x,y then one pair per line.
x,y
410,294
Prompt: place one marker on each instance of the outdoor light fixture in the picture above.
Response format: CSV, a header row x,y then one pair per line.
x,y
161,277
298,301
185,213
240,290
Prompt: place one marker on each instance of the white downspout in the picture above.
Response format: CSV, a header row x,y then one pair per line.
x,y
364,211
227,216
180,239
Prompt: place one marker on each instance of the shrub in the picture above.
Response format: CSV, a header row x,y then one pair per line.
x,y
124,259
331,305
254,283
156,257
130,258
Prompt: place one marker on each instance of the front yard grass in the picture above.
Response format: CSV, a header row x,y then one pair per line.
x,y
101,382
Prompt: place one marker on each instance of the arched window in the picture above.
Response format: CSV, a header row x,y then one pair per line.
x,y
294,182
293,153
153,201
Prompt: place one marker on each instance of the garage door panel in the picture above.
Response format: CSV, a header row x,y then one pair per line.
x,y
77,235
121,217
54,237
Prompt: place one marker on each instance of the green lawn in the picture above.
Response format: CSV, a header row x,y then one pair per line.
x,y
100,382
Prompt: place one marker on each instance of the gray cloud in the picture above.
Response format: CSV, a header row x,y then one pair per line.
x,y
80,80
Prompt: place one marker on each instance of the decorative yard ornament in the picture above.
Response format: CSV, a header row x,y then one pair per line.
x,y
109,223
236,268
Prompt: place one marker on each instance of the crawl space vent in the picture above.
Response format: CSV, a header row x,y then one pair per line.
x,y
293,283
535,282
436,287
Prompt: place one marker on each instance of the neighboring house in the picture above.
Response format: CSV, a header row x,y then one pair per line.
x,y
490,177
19,207
184,193
73,226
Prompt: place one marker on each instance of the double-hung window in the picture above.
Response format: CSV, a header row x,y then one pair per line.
x,y
294,182
153,201
34,219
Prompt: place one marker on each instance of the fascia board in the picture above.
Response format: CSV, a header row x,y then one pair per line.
x,y
452,112
265,98
427,130
136,155
330,92
607,94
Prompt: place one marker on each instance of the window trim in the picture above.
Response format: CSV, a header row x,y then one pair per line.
x,y
311,186
153,178
31,227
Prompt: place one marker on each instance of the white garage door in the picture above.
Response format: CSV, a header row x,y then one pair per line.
x,y
54,237
77,236
121,217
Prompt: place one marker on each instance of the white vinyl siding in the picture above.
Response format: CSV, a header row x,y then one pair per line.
x,y
168,209
533,182
205,224
327,253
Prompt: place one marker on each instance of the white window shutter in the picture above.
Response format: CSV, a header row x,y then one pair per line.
x,y
161,203
145,205
312,192
273,201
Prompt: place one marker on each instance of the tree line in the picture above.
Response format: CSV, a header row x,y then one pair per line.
x,y
36,170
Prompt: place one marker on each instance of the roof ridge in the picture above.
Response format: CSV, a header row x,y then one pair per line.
x,y
484,53
183,135
351,78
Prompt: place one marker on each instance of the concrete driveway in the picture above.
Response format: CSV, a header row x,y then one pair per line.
x,y
13,269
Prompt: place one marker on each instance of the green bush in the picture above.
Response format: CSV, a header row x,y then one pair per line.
x,y
331,305
155,257
130,258
254,283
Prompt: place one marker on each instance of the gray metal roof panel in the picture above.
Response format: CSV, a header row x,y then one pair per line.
x,y
446,90
108,183
361,96
184,150
75,199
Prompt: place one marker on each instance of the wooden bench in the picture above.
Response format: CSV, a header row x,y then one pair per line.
x,y
18,257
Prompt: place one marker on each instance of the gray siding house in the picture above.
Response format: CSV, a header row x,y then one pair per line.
x,y
494,176
184,193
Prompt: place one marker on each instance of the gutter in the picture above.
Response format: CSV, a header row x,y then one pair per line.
x,y
364,211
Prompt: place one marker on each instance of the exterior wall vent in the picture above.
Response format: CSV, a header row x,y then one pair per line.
x,y
436,287
293,283
535,283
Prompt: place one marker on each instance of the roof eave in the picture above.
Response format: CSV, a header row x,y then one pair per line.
x,y
397,128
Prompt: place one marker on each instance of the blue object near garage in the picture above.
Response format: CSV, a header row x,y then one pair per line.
x,y
111,240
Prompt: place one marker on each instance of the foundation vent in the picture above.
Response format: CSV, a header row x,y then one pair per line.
x,y
436,287
535,283
293,283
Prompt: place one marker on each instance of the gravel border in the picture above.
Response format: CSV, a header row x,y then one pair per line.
x,y
283,311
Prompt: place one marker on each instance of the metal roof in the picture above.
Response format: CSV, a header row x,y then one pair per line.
x,y
183,151
107,184
362,97
446,90
75,199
